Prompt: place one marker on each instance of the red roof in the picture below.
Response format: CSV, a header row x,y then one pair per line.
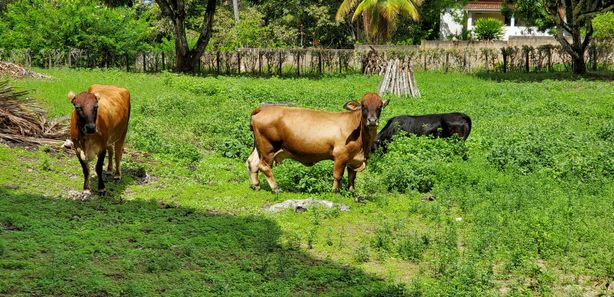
x,y
484,5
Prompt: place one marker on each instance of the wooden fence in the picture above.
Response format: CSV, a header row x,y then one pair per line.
x,y
315,62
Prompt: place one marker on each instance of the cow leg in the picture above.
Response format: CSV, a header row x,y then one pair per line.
x,y
119,151
86,175
110,165
99,165
351,178
265,167
252,169
338,169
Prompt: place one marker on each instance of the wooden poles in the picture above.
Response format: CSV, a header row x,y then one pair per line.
x,y
399,79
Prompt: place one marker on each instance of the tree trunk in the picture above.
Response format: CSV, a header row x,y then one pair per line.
x,y
235,8
187,59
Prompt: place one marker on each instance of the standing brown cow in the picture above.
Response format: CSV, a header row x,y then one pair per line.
x,y
99,124
310,136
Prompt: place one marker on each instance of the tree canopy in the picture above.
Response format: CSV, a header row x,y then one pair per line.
x,y
571,19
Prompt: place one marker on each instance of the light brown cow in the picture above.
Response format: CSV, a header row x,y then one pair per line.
x,y
310,136
99,124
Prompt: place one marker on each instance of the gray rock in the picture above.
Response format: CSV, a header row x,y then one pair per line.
x,y
303,203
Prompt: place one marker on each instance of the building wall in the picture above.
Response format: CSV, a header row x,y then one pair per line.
x,y
450,27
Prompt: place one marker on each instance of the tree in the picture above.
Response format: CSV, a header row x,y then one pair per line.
x,y
379,16
573,18
187,58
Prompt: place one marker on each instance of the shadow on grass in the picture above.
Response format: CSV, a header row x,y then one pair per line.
x,y
103,247
541,76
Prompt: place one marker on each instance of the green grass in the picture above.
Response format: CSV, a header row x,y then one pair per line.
x,y
528,213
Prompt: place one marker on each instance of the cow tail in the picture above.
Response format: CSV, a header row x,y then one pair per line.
x,y
468,126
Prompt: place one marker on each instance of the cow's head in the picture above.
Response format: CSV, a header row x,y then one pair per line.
x,y
86,108
371,106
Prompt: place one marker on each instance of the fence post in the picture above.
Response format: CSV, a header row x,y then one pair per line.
x,y
217,61
486,56
593,51
280,64
163,62
259,62
144,63
320,62
298,63
504,53
340,62
526,60
549,59
238,61
447,60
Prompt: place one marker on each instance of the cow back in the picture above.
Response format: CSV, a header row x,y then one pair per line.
x,y
113,111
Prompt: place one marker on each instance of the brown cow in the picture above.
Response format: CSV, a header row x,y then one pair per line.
x,y
99,124
310,136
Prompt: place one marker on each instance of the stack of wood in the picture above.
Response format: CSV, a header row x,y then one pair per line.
x,y
373,63
21,121
16,71
399,79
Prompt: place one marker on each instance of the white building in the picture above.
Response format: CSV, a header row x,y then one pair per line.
x,y
475,10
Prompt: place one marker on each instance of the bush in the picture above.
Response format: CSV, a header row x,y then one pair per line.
x,y
49,25
562,157
410,161
293,176
603,24
488,29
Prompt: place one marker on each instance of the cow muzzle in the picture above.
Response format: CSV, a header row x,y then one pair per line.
x,y
372,121
89,129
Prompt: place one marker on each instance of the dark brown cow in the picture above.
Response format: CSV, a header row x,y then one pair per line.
x,y
99,124
310,136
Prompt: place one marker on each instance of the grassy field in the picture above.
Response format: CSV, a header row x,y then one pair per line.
x,y
529,213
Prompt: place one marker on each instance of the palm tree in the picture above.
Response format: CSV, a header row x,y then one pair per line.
x,y
379,16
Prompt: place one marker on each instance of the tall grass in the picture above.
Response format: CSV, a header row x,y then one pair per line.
x,y
523,207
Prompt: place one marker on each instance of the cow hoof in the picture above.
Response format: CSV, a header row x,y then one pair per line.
x,y
276,191
255,188
102,193
85,195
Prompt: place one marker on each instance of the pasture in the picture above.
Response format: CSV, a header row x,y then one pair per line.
x,y
529,213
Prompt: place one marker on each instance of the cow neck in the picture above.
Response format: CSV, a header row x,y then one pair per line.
x,y
367,135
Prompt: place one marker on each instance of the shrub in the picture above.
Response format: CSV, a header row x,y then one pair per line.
x,y
488,29
84,24
293,176
410,161
561,156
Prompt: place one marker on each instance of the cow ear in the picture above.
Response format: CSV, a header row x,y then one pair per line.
x,y
385,103
97,96
352,105
71,96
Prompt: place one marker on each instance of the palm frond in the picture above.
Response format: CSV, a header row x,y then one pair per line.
x,y
345,7
409,8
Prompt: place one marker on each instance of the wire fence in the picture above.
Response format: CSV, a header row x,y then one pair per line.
x,y
314,61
